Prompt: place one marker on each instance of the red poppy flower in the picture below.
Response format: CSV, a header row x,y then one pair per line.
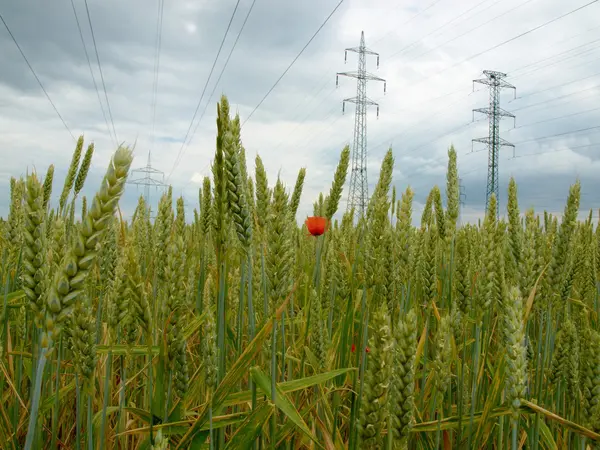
x,y
316,225
353,349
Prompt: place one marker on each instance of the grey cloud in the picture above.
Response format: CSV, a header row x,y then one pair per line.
x,y
293,128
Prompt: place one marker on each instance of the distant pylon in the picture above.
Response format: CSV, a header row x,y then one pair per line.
x,y
495,81
146,179
358,192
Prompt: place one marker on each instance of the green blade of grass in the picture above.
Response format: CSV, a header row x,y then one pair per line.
x,y
282,402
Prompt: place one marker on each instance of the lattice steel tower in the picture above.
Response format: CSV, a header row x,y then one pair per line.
x,y
358,192
147,180
495,81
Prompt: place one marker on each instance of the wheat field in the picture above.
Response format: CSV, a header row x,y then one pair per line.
x,y
239,329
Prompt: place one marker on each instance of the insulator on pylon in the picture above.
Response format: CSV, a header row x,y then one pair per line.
x,y
384,87
378,61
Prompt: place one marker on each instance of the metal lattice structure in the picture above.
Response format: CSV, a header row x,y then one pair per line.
x,y
358,192
146,179
495,81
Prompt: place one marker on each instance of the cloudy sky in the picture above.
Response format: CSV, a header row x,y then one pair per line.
x,y
431,51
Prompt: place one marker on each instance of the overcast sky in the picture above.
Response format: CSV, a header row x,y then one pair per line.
x,y
430,53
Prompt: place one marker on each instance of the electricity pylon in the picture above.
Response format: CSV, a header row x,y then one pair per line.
x,y
495,81
146,179
358,191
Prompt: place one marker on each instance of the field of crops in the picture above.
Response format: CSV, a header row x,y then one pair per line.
x,y
239,329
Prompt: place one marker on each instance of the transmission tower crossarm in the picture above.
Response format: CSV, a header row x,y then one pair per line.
x,y
500,141
496,81
367,101
498,111
500,83
150,169
358,50
361,76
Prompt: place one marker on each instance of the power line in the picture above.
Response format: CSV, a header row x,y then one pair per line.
x,y
412,44
378,40
473,29
462,126
382,143
556,98
514,38
157,51
554,118
502,14
556,151
431,5
223,69
313,94
558,135
87,9
294,60
150,176
87,57
36,77
177,159
556,86
558,54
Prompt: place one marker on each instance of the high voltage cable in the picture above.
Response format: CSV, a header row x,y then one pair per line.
x,y
566,58
463,126
214,88
87,57
223,68
514,38
325,97
204,90
553,118
378,40
294,60
446,107
555,98
457,17
431,5
529,31
412,44
558,54
100,69
522,75
159,22
473,29
312,97
218,79
556,151
419,171
566,133
517,143
428,142
313,136
556,86
36,77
